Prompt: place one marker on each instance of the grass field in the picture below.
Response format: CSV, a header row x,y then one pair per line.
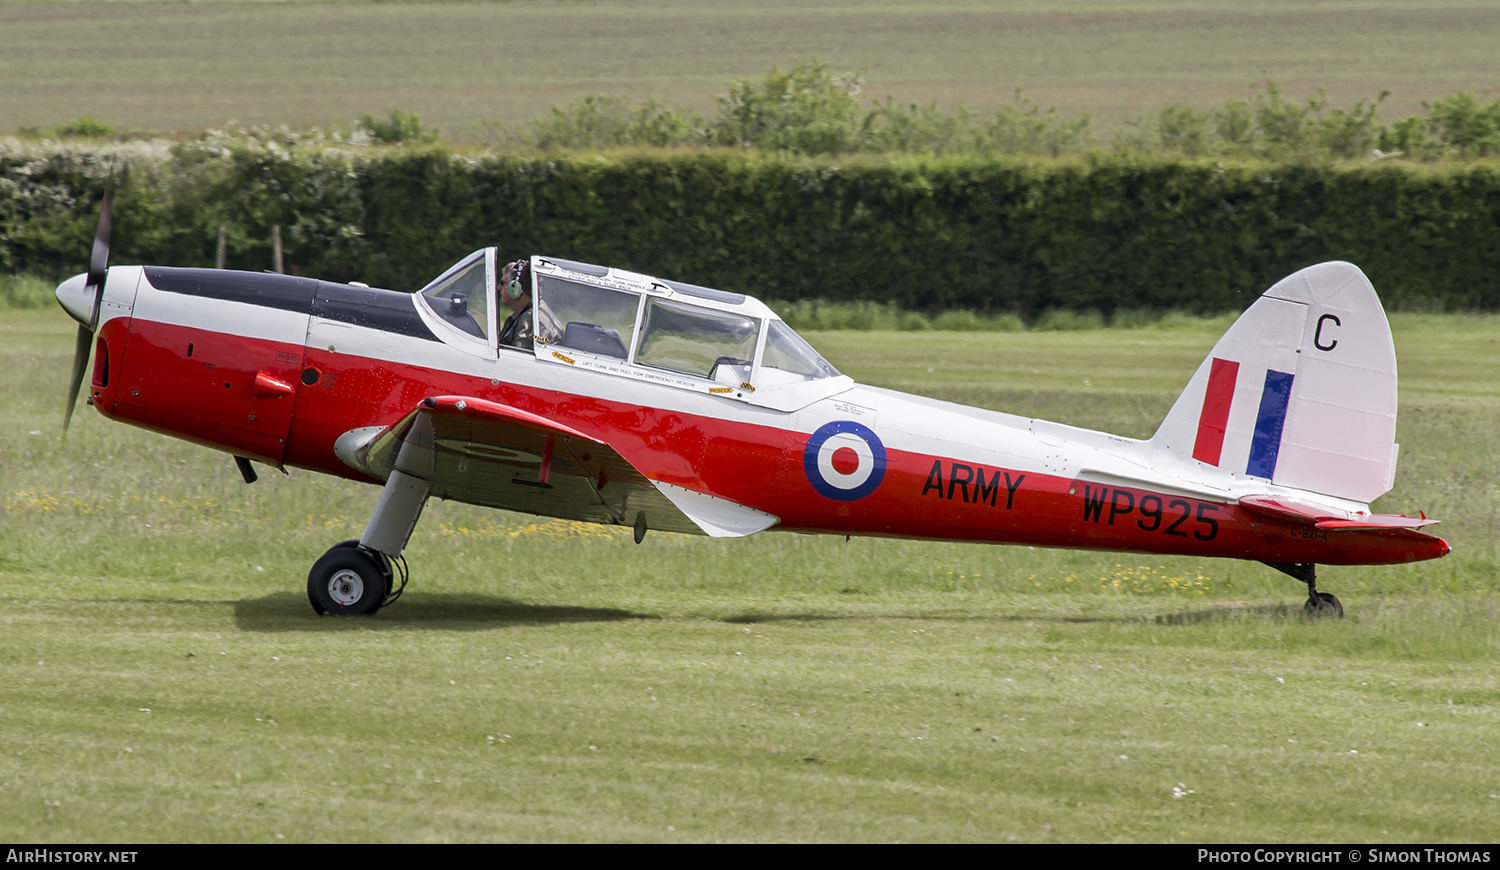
x,y
186,66
165,679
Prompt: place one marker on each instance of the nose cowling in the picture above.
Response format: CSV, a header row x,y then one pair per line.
x,y
77,298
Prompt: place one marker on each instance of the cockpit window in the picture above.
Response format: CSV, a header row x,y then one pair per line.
x,y
789,354
592,319
698,341
462,299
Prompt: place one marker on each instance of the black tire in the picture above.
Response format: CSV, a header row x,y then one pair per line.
x,y
348,581
381,558
1325,606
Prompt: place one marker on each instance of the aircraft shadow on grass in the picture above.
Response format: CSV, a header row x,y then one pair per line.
x,y
1193,617
1229,612
288,611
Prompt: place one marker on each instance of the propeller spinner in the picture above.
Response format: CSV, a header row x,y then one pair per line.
x,y
79,301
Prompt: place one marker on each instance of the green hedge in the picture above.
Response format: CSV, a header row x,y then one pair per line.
x,y
933,234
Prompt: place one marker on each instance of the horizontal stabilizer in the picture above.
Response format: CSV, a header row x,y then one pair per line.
x,y
1277,508
1319,516
1377,521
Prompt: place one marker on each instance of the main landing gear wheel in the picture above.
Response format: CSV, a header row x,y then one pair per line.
x,y
1323,605
349,581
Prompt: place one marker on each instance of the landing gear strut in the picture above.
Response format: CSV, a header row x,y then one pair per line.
x,y
1319,604
355,578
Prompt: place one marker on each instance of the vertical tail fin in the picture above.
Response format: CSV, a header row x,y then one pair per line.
x,y
1300,391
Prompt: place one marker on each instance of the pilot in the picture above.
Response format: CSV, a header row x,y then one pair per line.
x,y
515,293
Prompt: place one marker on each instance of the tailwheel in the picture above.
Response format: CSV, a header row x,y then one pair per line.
x,y
1323,605
349,580
1319,604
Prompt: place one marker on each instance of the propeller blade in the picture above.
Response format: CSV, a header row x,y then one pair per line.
x,y
81,350
99,259
98,271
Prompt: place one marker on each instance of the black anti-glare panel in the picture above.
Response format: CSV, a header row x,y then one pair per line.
x,y
267,289
385,310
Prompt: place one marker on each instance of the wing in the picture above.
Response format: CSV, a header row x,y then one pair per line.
x,y
485,453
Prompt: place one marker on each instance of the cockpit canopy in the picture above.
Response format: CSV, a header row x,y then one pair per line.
x,y
636,326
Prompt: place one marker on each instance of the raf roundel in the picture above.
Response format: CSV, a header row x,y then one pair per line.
x,y
844,460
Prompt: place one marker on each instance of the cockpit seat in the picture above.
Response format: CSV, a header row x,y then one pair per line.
x,y
591,338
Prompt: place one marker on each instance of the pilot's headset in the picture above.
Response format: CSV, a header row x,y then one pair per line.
x,y
516,287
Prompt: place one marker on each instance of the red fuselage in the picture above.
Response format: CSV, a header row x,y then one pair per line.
x,y
202,374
